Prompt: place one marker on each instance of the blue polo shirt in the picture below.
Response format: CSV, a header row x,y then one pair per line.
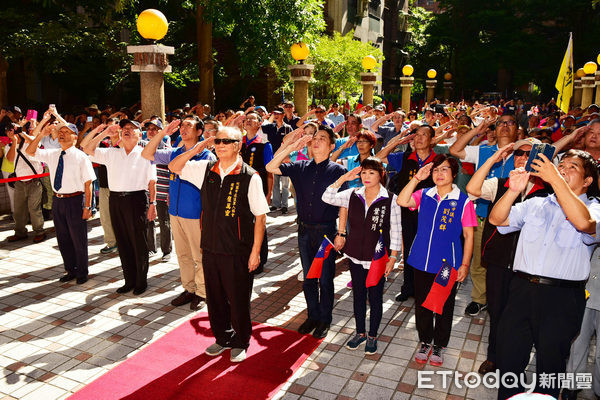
x,y
184,197
310,180
349,152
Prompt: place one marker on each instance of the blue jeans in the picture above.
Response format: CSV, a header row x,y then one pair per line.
x,y
318,292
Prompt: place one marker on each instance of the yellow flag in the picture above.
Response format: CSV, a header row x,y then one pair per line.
x,y
564,82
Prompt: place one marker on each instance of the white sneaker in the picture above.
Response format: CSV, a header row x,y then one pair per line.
x,y
301,276
238,355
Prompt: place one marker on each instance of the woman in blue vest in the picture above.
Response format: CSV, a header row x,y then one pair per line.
x,y
372,213
445,214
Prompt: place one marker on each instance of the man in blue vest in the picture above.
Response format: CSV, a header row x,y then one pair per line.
x,y
185,208
506,132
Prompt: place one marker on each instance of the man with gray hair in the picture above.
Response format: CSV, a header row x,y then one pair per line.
x,y
234,209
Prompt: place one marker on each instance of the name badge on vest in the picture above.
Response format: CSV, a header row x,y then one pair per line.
x,y
378,218
232,199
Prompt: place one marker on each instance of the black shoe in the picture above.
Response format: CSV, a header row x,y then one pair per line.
x,y
273,208
568,394
108,249
284,210
403,296
67,278
138,291
81,280
307,326
486,367
321,330
182,299
124,289
197,303
475,308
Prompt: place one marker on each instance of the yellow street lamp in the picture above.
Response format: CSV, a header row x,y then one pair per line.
x,y
432,73
300,52
590,67
408,70
598,59
369,62
447,76
580,73
152,24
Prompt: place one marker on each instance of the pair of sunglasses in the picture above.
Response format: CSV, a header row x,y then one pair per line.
x,y
225,141
520,153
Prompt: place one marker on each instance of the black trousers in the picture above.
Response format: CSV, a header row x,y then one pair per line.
x,y
359,294
164,223
438,334
128,215
547,317
71,234
408,284
228,289
497,281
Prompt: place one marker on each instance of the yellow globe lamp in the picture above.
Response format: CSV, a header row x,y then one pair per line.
x,y
447,76
598,59
369,62
590,67
432,73
408,70
580,73
300,52
152,24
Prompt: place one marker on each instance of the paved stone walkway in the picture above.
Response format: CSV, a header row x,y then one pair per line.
x,y
56,338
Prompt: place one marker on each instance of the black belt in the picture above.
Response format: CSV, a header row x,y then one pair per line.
x,y
122,194
316,226
542,280
63,195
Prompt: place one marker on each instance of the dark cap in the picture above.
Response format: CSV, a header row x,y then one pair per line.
x,y
124,122
278,110
156,122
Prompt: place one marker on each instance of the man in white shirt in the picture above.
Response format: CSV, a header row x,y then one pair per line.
x,y
234,209
71,176
130,178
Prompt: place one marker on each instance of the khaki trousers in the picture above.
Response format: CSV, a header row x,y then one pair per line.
x,y
109,233
186,234
478,273
28,205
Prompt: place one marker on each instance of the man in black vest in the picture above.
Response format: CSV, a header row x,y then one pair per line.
x,y
407,164
498,251
234,210
257,154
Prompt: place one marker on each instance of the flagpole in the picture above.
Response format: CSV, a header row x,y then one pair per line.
x,y
325,236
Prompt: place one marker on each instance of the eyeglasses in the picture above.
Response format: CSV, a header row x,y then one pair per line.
x,y
441,170
509,122
363,141
225,141
520,153
319,112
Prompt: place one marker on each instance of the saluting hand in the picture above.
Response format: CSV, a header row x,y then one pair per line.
x,y
351,175
503,152
424,172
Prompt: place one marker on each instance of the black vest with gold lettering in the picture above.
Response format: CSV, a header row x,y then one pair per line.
x,y
227,221
253,155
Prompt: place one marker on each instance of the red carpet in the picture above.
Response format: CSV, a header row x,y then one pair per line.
x,y
175,367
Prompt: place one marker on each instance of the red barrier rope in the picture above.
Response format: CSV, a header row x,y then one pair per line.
x,y
20,178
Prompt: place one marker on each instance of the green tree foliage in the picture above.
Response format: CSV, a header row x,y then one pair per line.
x,y
338,65
511,42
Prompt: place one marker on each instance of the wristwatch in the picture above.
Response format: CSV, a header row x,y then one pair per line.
x,y
88,208
342,234
153,202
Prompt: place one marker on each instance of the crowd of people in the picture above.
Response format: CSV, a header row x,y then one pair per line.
x,y
446,190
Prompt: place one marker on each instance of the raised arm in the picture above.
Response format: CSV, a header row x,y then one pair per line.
x,y
392,144
574,208
177,164
517,183
304,118
476,183
405,198
336,154
566,140
150,148
91,135
90,148
458,148
273,165
380,121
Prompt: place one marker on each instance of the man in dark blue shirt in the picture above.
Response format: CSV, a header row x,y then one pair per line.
x,y
275,131
315,220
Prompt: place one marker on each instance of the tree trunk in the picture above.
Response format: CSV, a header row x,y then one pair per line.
x,y
205,59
